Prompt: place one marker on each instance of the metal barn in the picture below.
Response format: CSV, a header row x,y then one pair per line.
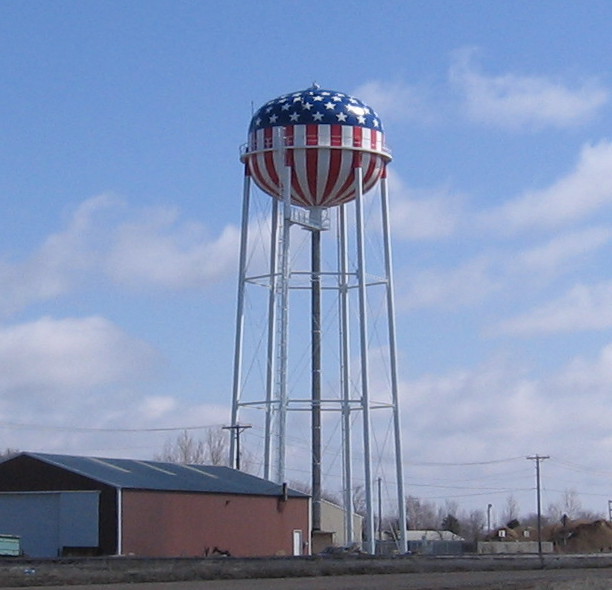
x,y
71,505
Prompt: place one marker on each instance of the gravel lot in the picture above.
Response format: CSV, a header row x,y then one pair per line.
x,y
593,579
578,572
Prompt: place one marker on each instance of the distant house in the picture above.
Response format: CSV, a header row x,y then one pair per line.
x,y
513,534
513,540
581,536
70,505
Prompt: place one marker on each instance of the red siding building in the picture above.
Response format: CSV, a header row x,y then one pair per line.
x,y
163,523
145,508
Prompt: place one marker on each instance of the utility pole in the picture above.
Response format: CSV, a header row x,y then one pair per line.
x,y
538,459
236,430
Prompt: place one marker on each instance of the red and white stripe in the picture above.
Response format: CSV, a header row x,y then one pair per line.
x,y
323,159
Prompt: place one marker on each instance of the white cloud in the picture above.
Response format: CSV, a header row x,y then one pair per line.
x,y
499,410
25,283
582,192
494,399
63,378
578,195
70,356
157,249
420,215
515,101
562,251
75,385
396,102
156,406
51,270
476,280
584,307
583,373
469,283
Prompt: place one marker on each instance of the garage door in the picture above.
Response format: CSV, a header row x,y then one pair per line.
x,y
50,521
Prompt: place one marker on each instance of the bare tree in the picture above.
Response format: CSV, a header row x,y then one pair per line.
x,y
569,505
189,450
421,514
216,447
511,510
572,506
451,507
473,525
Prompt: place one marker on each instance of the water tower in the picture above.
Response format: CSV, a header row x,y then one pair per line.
x,y
317,153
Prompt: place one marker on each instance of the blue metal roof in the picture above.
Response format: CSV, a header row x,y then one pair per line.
x,y
155,475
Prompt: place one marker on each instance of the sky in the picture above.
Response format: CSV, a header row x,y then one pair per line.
x,y
121,188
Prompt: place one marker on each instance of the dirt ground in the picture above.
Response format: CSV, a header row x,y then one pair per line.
x,y
580,579
527,572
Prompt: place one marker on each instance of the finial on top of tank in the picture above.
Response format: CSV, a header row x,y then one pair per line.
x,y
315,86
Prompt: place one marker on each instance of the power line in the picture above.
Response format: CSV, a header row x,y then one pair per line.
x,y
580,468
434,464
86,429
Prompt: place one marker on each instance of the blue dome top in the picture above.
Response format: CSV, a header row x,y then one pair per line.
x,y
315,106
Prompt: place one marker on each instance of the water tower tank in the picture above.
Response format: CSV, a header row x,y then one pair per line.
x,y
323,136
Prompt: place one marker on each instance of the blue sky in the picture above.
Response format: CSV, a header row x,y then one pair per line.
x,y
120,127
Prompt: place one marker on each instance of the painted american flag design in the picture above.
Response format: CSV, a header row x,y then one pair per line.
x,y
324,136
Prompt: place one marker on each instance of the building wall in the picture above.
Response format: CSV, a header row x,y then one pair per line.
x,y
488,547
173,524
332,520
26,474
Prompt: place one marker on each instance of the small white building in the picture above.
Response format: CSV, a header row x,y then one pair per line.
x,y
332,519
432,535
